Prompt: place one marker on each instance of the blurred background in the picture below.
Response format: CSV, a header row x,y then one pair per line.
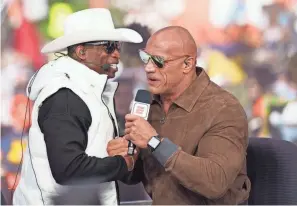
x,y
249,47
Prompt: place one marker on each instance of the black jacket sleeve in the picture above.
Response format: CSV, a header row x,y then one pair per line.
x,y
64,119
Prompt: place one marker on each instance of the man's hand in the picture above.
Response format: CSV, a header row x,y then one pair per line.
x,y
130,161
138,130
119,146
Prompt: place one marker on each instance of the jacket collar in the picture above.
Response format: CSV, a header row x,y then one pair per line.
x,y
83,76
190,96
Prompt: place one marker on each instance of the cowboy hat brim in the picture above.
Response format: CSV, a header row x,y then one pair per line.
x,y
121,34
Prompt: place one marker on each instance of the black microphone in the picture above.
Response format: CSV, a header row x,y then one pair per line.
x,y
141,107
106,67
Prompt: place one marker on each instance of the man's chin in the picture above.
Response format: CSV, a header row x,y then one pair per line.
x,y
154,90
110,75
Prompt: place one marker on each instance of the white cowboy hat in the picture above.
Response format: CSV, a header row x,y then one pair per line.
x,y
90,25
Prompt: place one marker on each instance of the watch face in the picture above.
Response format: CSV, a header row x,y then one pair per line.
x,y
154,142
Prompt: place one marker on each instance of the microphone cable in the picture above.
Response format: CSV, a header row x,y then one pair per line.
x,y
24,123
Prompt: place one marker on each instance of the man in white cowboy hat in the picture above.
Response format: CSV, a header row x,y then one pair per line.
x,y
73,116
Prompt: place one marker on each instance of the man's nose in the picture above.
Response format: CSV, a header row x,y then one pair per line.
x,y
150,67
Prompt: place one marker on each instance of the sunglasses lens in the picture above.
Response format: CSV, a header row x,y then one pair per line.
x,y
158,62
145,57
111,46
118,45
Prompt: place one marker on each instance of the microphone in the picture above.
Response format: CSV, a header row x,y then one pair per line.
x,y
141,107
105,67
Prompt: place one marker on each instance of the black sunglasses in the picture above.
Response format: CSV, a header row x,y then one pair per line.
x,y
109,46
157,60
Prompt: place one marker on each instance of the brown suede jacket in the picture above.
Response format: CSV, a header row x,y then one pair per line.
x,y
202,159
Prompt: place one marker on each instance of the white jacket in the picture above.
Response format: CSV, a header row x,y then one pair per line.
x,y
37,184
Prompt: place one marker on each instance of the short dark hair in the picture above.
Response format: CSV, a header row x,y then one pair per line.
x,y
71,49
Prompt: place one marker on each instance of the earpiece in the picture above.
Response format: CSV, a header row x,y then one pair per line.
x,y
82,52
188,65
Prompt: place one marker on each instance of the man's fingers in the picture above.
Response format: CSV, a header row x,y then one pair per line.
x,y
128,130
122,151
129,124
131,117
122,144
130,137
115,141
123,154
117,144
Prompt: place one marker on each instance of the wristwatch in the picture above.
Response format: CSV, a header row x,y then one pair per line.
x,y
154,142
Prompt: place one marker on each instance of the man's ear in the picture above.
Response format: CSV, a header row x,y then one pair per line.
x,y
80,52
189,64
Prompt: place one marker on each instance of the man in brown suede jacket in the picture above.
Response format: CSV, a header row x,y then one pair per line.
x,y
193,146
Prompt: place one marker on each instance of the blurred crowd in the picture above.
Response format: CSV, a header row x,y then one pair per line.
x,y
249,47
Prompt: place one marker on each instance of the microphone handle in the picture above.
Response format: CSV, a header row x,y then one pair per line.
x,y
131,148
144,114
